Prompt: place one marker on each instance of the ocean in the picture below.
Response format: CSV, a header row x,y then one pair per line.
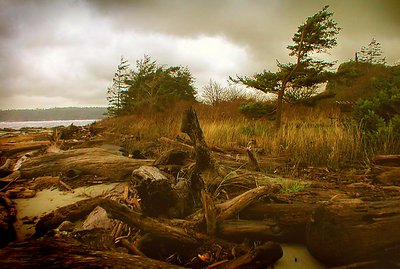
x,y
44,124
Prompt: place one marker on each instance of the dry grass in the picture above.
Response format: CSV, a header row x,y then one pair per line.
x,y
311,136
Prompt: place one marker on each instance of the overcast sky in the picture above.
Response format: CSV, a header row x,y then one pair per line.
x,y
64,53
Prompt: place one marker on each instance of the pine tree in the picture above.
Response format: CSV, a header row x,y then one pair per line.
x,y
372,54
297,80
115,93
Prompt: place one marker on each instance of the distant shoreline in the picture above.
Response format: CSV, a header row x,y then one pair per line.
x,y
44,123
52,114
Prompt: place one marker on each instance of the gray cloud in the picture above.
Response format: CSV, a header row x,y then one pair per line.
x,y
61,53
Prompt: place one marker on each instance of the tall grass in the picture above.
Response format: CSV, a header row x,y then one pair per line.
x,y
312,137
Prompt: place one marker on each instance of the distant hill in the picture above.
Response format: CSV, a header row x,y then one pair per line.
x,y
62,113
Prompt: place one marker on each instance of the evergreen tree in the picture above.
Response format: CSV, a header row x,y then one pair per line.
x,y
115,93
154,86
372,54
297,80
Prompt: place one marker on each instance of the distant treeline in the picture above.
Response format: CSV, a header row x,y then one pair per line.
x,y
63,113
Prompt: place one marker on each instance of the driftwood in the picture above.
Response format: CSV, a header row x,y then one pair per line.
x,y
26,147
118,211
347,231
155,190
191,126
259,258
387,160
237,204
10,178
8,215
209,213
51,252
89,161
276,221
6,168
388,175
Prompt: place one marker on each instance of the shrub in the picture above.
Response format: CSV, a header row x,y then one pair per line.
x,y
256,110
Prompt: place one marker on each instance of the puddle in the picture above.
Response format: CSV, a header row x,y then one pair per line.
x,y
48,200
297,256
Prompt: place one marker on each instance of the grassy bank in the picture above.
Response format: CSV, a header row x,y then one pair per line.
x,y
310,136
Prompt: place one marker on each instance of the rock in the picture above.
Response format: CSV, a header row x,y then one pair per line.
x,y
66,226
98,219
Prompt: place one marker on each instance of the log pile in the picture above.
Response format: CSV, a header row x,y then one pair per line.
x,y
167,210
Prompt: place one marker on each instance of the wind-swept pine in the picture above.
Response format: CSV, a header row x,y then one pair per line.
x,y
153,86
372,54
297,81
118,89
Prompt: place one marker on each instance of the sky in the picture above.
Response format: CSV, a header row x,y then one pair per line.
x,y
64,53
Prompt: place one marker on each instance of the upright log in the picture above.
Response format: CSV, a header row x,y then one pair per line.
x,y
191,127
347,231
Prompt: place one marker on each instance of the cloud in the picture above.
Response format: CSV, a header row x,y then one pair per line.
x,y
62,53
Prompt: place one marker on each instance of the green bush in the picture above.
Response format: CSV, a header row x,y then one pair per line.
x,y
256,110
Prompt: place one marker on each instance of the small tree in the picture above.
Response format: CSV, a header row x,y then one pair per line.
x,y
372,54
213,93
316,35
118,88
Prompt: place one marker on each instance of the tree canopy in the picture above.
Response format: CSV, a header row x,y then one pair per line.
x,y
296,81
153,86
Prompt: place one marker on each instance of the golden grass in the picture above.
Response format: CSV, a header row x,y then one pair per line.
x,y
310,136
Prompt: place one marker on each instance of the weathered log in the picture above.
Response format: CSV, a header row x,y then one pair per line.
x,y
10,178
32,146
256,230
74,212
50,252
387,160
277,221
388,175
237,204
346,231
209,213
5,169
155,191
90,161
259,258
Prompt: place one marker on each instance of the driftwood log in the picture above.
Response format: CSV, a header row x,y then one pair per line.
x,y
48,252
347,231
89,161
8,214
161,195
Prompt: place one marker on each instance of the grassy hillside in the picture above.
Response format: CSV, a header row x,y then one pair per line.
x,y
359,80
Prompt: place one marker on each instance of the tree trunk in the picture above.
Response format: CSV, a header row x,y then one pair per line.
x,y
89,161
279,101
191,126
48,252
347,231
